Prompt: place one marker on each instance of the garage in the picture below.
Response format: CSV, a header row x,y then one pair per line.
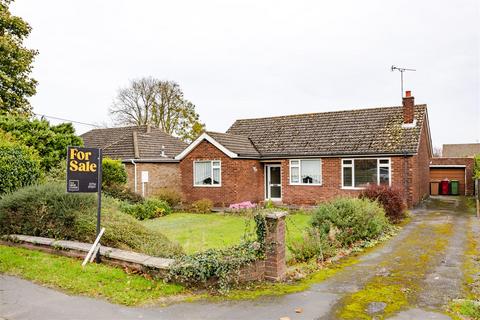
x,y
450,172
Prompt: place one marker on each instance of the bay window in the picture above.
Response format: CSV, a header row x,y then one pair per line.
x,y
359,173
207,173
306,171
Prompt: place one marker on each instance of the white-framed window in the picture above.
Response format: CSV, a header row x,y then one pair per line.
x,y
207,173
306,172
361,172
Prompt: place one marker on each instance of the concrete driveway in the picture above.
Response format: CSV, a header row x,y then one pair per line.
x,y
417,272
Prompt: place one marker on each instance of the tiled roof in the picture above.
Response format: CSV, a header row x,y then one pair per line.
x,y
460,150
118,143
240,145
352,132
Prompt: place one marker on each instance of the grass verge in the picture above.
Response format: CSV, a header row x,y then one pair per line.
x,y
95,280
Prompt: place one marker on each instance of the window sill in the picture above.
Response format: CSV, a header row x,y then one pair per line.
x,y
207,186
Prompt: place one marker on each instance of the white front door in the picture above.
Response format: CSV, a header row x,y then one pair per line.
x,y
273,183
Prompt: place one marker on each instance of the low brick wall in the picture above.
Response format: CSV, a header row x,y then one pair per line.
x,y
252,272
272,268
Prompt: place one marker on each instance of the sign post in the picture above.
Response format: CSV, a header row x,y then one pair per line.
x,y
84,174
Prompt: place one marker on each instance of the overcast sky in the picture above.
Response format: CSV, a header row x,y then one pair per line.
x,y
244,59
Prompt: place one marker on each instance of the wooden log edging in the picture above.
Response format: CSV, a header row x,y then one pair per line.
x,y
117,257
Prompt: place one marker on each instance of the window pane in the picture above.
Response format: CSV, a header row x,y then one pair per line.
x,y
294,162
347,177
275,175
216,175
384,179
310,171
275,192
203,173
216,163
365,172
347,161
294,177
384,161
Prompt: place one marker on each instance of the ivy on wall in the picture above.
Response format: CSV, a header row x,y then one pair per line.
x,y
219,267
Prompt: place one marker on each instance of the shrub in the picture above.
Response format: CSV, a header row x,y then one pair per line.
x,y
202,206
171,196
314,245
44,210
476,167
123,193
48,211
58,173
113,172
390,199
149,209
19,165
347,220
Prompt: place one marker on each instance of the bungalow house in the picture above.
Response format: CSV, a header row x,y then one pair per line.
x,y
147,153
306,158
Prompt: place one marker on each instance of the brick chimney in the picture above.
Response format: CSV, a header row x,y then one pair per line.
x,y
408,109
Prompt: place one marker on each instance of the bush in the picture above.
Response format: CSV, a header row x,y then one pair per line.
x,y
348,220
476,167
122,193
113,172
314,245
171,196
44,210
19,166
149,209
202,206
48,211
390,199
57,173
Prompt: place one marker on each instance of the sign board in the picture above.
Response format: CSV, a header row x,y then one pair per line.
x,y
83,169
144,176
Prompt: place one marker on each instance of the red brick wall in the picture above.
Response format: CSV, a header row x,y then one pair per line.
x,y
242,179
332,185
467,162
160,175
421,172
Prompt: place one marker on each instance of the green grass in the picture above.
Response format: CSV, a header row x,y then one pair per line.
x,y
95,280
198,232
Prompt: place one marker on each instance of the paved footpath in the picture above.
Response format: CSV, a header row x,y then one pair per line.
x,y
423,262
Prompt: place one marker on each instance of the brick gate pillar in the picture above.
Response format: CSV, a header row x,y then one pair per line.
x,y
275,266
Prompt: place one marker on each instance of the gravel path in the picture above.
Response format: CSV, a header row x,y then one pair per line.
x,y
417,272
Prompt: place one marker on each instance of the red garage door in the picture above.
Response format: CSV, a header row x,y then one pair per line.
x,y
438,174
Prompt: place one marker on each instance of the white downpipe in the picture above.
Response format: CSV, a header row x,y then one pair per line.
x,y
135,175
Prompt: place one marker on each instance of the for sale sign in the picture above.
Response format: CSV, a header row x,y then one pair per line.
x,y
83,169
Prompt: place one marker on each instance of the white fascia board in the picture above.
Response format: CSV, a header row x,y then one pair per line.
x,y
205,136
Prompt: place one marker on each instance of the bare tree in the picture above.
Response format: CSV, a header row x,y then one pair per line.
x,y
158,103
437,151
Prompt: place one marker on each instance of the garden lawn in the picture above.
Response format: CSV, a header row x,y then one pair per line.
x,y
95,280
198,232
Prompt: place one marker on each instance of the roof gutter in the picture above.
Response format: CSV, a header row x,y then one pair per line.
x,y
151,160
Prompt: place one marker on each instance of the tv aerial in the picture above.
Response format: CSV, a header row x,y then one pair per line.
x,y
402,70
